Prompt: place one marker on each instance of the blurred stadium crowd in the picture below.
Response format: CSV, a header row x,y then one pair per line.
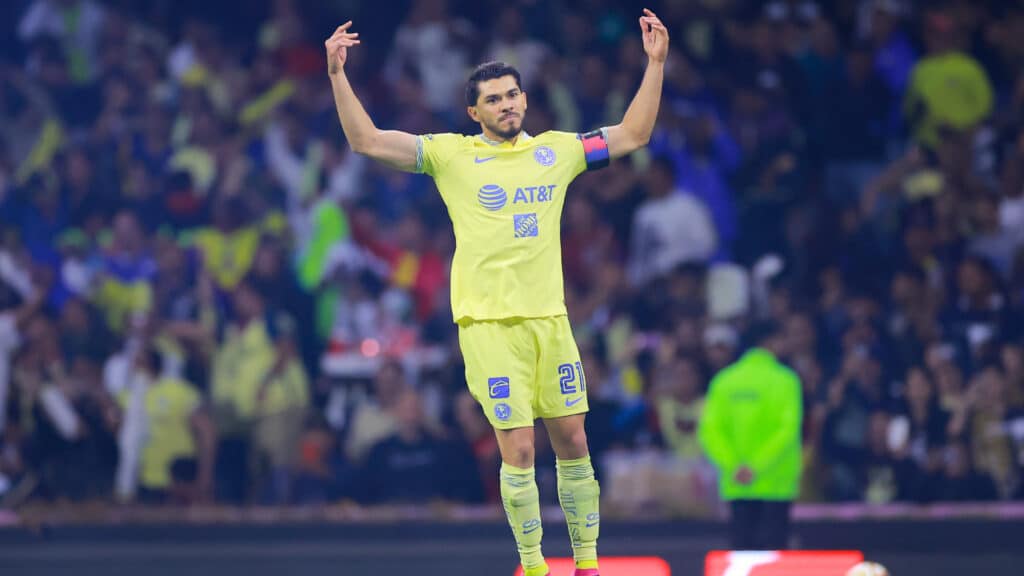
x,y
205,296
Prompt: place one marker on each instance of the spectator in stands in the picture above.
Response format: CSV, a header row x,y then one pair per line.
x,y
671,228
919,435
961,482
993,446
678,403
879,476
929,103
853,395
704,157
239,366
374,418
282,401
125,282
415,465
228,247
176,464
1012,363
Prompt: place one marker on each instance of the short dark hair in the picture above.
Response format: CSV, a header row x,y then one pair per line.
x,y
761,332
488,71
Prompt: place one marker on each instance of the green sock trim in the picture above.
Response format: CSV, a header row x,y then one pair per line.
x,y
574,461
586,564
577,469
514,471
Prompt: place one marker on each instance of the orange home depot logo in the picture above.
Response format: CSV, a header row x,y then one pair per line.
x,y
612,566
784,563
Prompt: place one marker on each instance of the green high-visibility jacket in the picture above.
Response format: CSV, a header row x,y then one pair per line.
x,y
752,417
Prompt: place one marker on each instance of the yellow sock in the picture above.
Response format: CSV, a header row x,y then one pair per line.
x,y
522,507
580,497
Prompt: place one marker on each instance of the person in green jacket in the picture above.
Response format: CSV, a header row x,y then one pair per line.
x,y
750,430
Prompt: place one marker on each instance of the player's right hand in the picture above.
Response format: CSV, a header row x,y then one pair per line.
x,y
337,47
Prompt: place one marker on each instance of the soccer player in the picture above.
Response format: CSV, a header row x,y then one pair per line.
x,y
505,190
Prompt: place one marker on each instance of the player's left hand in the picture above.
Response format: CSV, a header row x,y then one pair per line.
x,y
655,36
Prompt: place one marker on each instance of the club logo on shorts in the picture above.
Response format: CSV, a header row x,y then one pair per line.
x,y
544,156
492,197
498,387
525,225
502,411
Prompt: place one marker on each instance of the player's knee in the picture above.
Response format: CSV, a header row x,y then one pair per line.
x,y
516,448
576,441
519,455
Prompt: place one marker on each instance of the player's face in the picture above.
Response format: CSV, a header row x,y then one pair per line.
x,y
500,107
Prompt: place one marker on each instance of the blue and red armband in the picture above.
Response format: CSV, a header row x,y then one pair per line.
x,y
595,149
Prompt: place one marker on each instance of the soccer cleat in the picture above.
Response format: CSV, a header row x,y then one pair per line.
x,y
586,572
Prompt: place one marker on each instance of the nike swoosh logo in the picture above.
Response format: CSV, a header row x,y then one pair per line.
x,y
571,403
592,524
480,160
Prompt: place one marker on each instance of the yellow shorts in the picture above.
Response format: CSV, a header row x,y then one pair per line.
x,y
523,368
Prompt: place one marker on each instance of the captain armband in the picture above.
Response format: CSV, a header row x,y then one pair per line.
x,y
595,148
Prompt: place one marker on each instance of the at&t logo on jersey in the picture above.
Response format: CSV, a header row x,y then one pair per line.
x,y
531,194
492,197
525,225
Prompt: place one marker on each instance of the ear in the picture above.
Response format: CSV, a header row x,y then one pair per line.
x,y
525,103
471,110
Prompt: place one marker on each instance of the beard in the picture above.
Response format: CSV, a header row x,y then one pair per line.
x,y
509,130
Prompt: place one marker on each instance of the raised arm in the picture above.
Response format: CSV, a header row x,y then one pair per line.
x,y
635,129
392,147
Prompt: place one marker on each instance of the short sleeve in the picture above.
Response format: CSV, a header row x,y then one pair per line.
x,y
433,151
570,148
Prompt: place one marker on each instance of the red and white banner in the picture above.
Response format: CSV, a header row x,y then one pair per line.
x,y
782,563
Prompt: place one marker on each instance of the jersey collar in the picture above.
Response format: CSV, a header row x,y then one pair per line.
x,y
523,135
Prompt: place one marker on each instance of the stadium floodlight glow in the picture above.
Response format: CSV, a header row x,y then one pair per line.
x,y
781,563
612,566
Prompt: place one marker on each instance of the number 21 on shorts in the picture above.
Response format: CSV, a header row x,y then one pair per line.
x,y
568,375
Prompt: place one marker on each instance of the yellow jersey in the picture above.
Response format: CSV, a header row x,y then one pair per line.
x,y
239,366
505,202
169,404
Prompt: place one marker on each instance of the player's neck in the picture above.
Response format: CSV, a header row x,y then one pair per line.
x,y
494,139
